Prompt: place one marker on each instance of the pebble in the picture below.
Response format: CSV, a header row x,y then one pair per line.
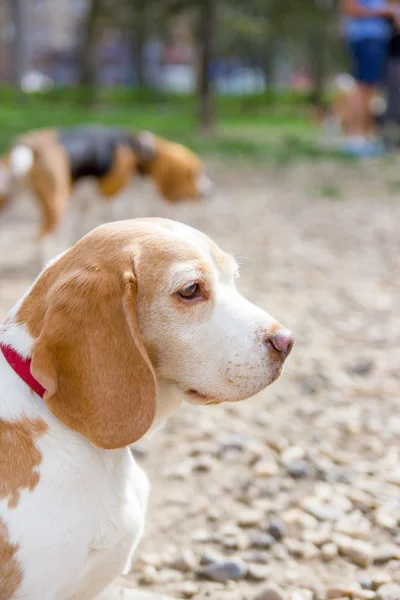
x,y
329,552
261,540
292,454
149,575
265,468
203,463
169,576
298,469
298,517
388,591
385,553
364,595
223,571
250,518
258,572
271,592
277,529
379,579
320,510
187,589
210,557
185,562
361,367
301,595
357,551
254,556
340,591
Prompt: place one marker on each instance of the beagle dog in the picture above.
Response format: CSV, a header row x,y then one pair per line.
x,y
137,317
50,162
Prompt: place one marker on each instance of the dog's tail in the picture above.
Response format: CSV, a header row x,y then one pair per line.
x,y
21,160
13,166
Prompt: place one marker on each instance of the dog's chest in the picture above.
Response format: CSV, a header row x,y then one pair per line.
x,y
94,501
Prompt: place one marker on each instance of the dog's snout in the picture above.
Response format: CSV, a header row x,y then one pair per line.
x,y
282,341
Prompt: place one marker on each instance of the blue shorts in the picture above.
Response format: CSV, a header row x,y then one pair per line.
x,y
370,60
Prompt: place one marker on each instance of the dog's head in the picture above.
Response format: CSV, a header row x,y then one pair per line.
x,y
138,306
176,171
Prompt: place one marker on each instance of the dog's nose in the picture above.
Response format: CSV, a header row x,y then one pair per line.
x,y
282,341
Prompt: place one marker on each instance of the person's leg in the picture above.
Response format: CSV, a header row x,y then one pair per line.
x,y
369,67
357,113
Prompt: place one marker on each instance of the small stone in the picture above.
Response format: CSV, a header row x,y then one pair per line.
x,y
329,552
357,551
187,589
203,463
204,536
294,547
280,552
254,556
361,367
277,529
169,576
298,469
380,579
302,595
210,557
364,595
265,468
388,591
258,572
235,542
261,540
340,591
366,584
385,518
271,592
250,517
300,518
227,570
319,510
385,553
276,442
318,537
292,454
185,562
149,575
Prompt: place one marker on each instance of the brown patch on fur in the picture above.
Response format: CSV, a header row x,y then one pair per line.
x,y
120,174
19,457
10,571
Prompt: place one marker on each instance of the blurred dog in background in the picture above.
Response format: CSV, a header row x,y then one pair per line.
x,y
50,162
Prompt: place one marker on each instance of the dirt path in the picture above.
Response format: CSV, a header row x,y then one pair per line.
x,y
317,453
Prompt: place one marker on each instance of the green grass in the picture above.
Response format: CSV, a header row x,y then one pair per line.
x,y
256,128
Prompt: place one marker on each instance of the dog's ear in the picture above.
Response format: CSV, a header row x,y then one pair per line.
x,y
91,359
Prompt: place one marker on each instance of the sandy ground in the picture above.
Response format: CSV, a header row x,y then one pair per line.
x,y
319,450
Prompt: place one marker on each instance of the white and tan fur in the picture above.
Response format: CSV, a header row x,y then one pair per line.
x,y
117,348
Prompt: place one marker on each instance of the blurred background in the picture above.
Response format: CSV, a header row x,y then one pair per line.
x,y
239,68
299,486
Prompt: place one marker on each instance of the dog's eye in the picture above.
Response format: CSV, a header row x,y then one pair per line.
x,y
189,292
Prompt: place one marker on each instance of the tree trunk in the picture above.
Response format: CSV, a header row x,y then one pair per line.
x,y
19,43
317,63
140,35
206,46
88,67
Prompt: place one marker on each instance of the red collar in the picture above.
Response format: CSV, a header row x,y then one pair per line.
x,y
22,367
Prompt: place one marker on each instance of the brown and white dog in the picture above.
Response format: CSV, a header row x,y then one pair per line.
x,y
134,319
50,162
